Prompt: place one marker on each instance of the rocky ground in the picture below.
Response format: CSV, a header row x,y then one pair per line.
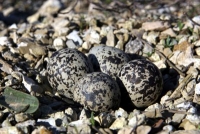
x,y
163,32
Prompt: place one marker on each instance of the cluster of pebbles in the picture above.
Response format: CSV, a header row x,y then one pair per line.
x,y
103,67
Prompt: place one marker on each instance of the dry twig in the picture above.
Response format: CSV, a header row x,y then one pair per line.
x,y
177,92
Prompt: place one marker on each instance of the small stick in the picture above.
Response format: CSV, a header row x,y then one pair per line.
x,y
177,91
163,56
171,64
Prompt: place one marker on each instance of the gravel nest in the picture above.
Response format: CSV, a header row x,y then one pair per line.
x,y
164,33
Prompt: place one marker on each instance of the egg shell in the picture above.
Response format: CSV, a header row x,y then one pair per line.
x,y
108,59
65,68
97,92
142,80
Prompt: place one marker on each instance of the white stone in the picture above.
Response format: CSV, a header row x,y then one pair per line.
x,y
86,45
13,27
193,118
197,50
163,99
184,105
136,120
51,121
197,89
80,122
121,113
75,37
94,37
155,57
168,128
4,41
118,123
58,43
196,19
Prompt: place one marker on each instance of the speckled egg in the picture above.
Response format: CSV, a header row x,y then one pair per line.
x,y
97,92
143,82
107,59
65,68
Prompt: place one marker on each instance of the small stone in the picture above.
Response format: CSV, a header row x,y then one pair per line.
x,y
133,46
151,36
6,123
156,25
154,57
21,117
169,32
13,27
105,119
160,64
194,119
5,41
121,113
118,123
186,132
197,50
168,128
59,43
92,37
41,130
10,130
72,113
47,122
187,125
75,37
82,129
26,123
182,46
197,43
71,44
167,51
58,115
86,45
110,38
143,129
126,130
177,118
137,120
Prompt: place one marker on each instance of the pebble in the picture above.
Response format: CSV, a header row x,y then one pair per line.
x,y
91,37
105,119
197,50
126,130
187,125
47,122
133,46
110,38
121,113
5,41
10,130
82,129
151,36
177,118
118,123
156,25
75,37
26,123
21,117
59,43
71,44
136,120
143,129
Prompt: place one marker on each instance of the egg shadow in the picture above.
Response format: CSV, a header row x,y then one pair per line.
x,y
126,102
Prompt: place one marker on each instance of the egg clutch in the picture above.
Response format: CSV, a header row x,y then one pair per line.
x,y
104,79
